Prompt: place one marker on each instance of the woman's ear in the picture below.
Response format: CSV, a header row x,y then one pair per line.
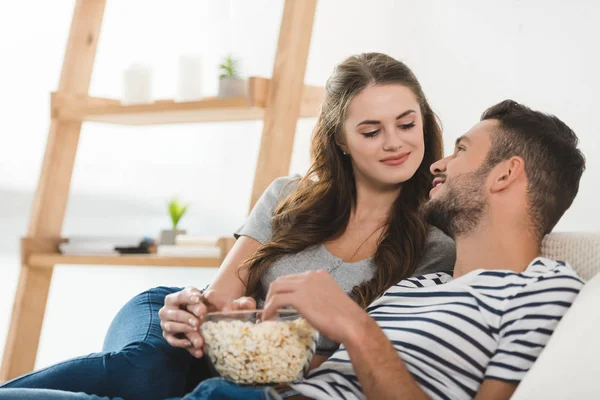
x,y
507,173
342,147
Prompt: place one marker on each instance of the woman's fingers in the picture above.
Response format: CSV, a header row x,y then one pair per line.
x,y
175,327
189,295
176,342
167,314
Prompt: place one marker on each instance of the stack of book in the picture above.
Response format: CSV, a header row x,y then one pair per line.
x,y
106,245
191,246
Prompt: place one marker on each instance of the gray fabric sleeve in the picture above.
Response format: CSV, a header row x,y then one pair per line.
x,y
258,226
440,254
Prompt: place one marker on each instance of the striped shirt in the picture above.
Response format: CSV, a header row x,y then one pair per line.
x,y
453,334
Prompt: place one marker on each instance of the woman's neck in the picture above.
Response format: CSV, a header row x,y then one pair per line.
x,y
372,203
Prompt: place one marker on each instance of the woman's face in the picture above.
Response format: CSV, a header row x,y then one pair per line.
x,y
383,134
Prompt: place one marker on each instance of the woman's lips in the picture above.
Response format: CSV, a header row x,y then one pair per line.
x,y
395,161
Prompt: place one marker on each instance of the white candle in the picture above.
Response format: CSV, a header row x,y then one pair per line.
x,y
189,78
137,85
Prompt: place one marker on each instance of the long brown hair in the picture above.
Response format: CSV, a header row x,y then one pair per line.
x,y
320,207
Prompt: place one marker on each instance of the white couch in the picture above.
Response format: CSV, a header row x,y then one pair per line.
x,y
569,366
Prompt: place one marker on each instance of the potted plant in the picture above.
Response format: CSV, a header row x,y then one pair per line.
x,y
230,83
176,211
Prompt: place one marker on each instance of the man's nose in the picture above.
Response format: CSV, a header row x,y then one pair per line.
x,y
439,166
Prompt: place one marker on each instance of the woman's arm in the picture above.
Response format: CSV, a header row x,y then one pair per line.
x,y
227,282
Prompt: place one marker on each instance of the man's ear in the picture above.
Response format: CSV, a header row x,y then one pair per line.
x,y
508,172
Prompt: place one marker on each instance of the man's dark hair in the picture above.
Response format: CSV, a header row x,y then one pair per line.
x,y
553,164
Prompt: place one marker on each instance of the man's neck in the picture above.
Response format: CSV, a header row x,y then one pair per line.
x,y
495,246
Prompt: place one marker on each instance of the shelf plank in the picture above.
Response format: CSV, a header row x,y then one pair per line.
x,y
49,260
73,107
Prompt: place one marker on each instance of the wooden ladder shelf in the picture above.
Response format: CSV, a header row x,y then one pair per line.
x,y
278,101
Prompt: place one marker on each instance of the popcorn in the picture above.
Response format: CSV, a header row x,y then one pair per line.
x,y
266,352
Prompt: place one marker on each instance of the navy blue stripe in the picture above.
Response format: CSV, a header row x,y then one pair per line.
x,y
484,287
472,306
538,304
517,354
351,379
571,277
527,343
416,282
450,377
485,329
496,273
334,386
551,290
526,331
447,345
427,294
438,323
436,358
530,316
497,378
506,366
316,386
428,385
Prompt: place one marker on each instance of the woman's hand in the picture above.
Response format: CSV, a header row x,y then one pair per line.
x,y
179,326
181,315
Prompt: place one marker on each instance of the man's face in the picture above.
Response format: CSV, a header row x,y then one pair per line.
x,y
458,199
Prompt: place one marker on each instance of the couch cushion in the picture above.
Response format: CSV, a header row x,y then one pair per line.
x,y
580,250
569,366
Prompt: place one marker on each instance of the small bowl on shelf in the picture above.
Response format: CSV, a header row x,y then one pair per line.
x,y
249,351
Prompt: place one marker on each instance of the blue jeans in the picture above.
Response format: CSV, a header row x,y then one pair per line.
x,y
210,389
136,362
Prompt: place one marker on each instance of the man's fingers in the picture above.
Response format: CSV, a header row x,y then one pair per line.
x,y
278,301
280,286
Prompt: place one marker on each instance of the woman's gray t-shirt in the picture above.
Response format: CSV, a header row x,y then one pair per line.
x,y
440,252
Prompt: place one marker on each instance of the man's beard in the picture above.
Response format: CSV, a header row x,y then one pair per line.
x,y
458,211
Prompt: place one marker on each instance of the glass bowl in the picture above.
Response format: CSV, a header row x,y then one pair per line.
x,y
249,351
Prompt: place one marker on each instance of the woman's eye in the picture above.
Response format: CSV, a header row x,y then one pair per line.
x,y
407,126
370,134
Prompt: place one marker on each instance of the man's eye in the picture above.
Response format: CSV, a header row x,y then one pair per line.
x,y
370,134
460,148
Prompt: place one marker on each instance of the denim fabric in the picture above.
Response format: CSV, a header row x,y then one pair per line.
x,y
222,389
136,363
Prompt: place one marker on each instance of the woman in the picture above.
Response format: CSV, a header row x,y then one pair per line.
x,y
355,213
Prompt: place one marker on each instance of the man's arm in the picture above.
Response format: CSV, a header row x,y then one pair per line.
x,y
380,370
318,297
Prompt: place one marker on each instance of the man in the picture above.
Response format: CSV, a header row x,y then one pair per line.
x,y
471,335
476,334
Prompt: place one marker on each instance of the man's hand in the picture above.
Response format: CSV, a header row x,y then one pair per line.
x,y
320,300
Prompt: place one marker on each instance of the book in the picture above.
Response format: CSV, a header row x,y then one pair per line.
x,y
188,251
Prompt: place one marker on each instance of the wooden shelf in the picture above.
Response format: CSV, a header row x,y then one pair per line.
x,y
72,107
49,260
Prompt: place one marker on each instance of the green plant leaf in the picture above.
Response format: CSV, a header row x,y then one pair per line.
x,y
229,67
176,211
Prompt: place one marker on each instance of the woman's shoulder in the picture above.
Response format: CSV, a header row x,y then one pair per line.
x,y
283,186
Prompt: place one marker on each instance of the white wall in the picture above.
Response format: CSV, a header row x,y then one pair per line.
x,y
468,55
